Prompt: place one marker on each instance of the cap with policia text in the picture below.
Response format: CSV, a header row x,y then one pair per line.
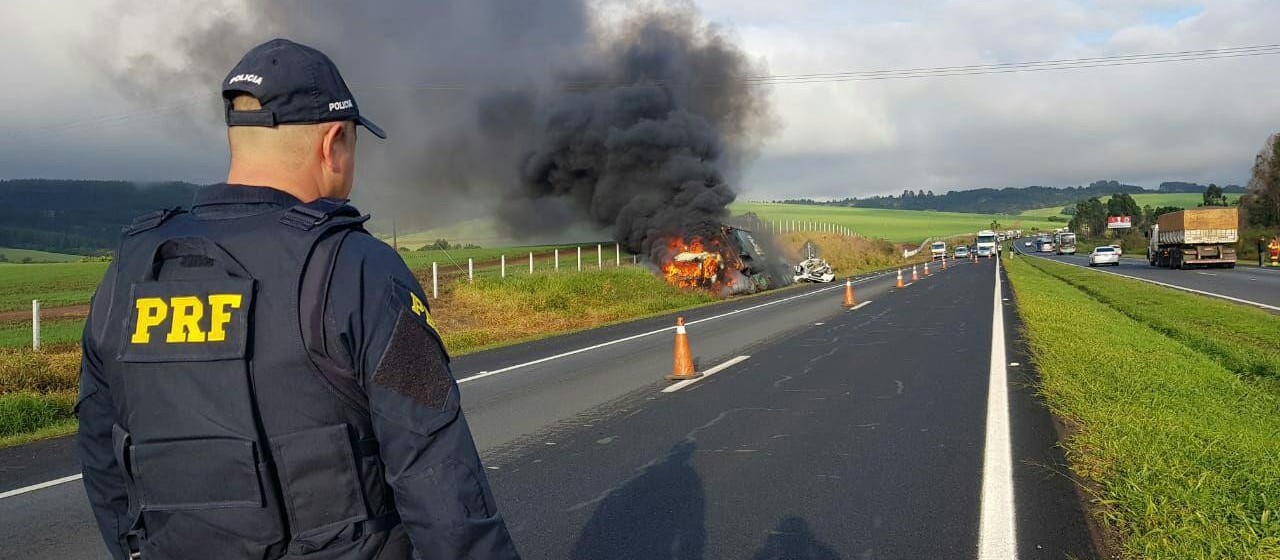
x,y
295,84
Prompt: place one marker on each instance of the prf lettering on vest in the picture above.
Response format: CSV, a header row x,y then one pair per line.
x,y
420,310
184,314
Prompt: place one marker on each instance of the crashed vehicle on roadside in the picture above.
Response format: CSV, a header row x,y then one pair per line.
x,y
814,270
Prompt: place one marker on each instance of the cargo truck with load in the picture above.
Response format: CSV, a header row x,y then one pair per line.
x,y
1194,237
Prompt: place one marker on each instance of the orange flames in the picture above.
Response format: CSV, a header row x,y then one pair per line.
x,y
691,264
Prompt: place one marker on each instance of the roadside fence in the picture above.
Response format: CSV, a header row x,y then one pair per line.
x,y
555,260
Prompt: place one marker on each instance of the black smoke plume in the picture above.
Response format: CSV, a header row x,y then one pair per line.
x,y
640,140
545,114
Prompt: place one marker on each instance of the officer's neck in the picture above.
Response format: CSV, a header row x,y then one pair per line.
x,y
302,185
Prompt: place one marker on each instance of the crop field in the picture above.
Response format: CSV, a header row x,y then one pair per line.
x,y
1155,200
30,256
53,284
906,226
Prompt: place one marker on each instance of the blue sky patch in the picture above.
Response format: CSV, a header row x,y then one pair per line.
x,y
1168,17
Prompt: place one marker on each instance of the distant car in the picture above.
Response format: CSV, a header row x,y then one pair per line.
x,y
983,251
1104,254
1026,243
962,252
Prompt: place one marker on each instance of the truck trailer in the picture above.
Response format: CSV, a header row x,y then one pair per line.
x,y
1194,237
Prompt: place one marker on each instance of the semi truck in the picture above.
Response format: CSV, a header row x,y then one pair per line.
x,y
1194,237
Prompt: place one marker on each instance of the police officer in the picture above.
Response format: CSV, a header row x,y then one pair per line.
x,y
262,378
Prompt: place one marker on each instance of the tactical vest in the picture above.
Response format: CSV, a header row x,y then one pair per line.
x,y
234,443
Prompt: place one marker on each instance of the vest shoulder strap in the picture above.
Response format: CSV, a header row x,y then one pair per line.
x,y
152,220
311,215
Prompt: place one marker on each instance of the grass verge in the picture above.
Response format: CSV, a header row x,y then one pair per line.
x,y
1179,451
37,391
1241,339
491,311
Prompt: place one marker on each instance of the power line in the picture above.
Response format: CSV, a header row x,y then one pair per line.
x,y
40,133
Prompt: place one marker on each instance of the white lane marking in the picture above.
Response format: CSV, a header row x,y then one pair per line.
x,y
859,306
484,374
997,529
1177,287
710,372
40,486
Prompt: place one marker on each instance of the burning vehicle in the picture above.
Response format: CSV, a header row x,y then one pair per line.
x,y
727,261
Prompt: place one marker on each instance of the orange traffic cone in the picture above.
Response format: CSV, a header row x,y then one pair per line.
x,y
926,269
914,277
682,367
944,263
899,277
848,292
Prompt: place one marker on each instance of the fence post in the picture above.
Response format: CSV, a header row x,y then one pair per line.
x,y
471,270
617,254
530,262
599,255
579,258
635,259
557,259
504,266
35,324
435,281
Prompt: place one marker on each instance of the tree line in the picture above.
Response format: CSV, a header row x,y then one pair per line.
x,y
1008,200
1261,204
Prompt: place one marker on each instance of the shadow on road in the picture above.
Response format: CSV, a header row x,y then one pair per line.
x,y
659,515
792,540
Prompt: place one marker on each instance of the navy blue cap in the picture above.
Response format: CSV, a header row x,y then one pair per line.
x,y
295,84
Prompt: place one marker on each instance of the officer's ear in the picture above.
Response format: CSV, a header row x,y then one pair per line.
x,y
337,147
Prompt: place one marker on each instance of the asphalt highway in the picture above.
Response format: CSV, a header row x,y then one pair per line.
x,y
1243,284
905,428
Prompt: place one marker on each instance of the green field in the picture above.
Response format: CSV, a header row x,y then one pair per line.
x,y
1170,401
1154,200
483,232
895,225
53,284
18,255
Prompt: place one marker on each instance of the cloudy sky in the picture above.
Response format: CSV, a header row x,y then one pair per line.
x,y
1199,121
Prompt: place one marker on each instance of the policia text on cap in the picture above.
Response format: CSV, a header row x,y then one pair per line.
x,y
261,377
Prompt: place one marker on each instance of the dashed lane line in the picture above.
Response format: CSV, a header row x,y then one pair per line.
x,y
485,374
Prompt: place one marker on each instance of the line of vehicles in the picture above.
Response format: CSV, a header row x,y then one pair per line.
x,y
1187,238
986,244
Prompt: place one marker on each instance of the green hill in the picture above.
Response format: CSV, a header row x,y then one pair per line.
x,y
81,217
8,254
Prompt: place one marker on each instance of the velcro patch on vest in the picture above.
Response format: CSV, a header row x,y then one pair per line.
x,y
188,321
414,363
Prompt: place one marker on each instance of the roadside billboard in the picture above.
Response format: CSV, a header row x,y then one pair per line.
x,y
1119,222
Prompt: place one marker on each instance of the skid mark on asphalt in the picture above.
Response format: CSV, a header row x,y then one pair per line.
x,y
683,446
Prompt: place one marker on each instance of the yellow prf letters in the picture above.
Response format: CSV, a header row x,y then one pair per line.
x,y
420,310
184,314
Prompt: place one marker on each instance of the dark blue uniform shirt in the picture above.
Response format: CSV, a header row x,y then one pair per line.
x,y
350,311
